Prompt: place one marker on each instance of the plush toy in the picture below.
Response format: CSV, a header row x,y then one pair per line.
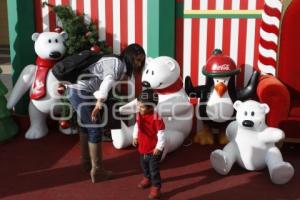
x,y
49,47
217,95
163,75
252,144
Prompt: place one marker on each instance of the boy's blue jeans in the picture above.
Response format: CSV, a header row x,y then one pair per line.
x,y
150,166
84,112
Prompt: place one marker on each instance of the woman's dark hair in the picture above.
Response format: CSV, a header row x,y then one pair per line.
x,y
128,55
148,97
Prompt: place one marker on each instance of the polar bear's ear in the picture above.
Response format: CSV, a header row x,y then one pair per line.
x,y
265,107
35,36
171,65
64,35
148,60
237,104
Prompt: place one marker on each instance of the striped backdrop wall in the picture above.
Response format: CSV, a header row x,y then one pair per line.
x,y
120,22
237,37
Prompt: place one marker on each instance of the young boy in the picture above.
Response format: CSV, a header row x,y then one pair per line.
x,y
149,137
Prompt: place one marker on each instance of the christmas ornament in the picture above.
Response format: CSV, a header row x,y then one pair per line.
x,y
95,48
58,29
64,124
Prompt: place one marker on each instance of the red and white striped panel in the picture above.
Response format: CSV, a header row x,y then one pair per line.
x,y
269,33
120,22
238,38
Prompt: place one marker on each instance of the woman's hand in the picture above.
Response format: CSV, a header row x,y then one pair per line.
x,y
60,89
96,110
135,142
156,152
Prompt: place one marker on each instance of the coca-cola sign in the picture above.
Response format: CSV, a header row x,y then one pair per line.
x,y
224,67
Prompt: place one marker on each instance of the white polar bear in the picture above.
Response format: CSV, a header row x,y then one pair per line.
x,y
252,144
49,46
163,75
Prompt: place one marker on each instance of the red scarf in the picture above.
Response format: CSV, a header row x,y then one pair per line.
x,y
175,87
39,84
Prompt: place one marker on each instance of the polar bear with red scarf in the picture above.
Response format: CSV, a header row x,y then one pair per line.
x,y
162,74
49,47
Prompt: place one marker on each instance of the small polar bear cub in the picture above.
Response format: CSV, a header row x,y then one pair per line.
x,y
252,144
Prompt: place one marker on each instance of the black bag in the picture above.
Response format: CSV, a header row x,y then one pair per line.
x,y
72,66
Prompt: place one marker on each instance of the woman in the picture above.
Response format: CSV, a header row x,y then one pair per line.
x,y
94,90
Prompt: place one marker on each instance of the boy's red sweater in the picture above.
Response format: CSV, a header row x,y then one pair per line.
x,y
148,127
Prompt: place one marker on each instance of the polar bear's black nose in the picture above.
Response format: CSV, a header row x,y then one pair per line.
x,y
248,123
146,84
55,54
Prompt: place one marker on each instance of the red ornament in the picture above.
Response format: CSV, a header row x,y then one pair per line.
x,y
95,48
64,124
58,29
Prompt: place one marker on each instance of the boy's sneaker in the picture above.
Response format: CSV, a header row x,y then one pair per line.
x,y
145,182
154,193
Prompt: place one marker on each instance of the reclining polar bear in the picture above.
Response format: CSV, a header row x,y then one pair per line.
x,y
163,75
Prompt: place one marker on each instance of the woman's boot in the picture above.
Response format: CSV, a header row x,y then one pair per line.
x,y
98,172
85,154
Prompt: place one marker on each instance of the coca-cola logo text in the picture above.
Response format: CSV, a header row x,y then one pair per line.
x,y
224,67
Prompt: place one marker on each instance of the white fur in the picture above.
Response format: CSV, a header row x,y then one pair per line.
x,y
175,108
252,147
219,109
161,72
45,43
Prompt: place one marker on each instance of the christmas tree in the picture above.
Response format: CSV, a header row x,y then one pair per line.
x,y
8,127
81,35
